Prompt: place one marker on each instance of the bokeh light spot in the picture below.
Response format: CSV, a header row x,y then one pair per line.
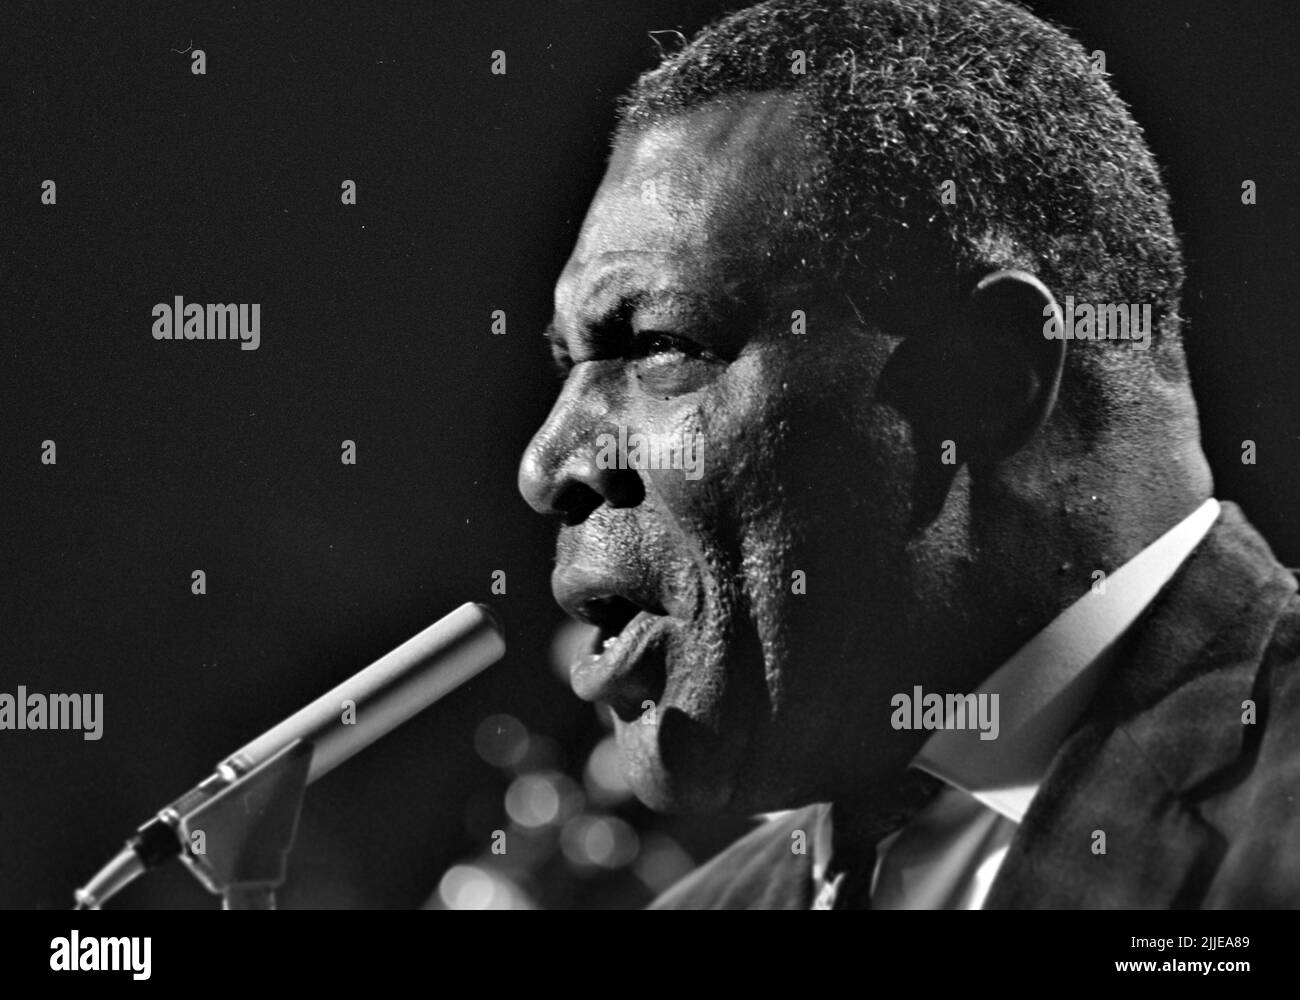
x,y
501,740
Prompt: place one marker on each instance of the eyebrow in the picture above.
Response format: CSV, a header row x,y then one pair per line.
x,y
617,289
589,329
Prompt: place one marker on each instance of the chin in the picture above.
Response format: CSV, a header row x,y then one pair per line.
x,y
680,767
677,765
704,753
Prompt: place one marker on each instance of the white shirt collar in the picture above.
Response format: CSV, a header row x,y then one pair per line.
x,y
1049,681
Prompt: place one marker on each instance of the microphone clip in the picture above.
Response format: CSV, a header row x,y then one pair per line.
x,y
236,841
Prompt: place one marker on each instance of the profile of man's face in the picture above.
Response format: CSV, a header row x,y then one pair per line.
x,y
762,604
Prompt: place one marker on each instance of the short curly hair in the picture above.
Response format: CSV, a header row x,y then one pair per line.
x,y
1051,172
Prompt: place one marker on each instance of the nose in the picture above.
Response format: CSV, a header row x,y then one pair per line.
x,y
560,474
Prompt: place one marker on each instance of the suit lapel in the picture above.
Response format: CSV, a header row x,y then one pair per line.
x,y
1166,723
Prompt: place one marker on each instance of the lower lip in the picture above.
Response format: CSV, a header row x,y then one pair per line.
x,y
596,676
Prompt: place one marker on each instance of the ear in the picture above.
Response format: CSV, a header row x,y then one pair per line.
x,y
1006,369
984,380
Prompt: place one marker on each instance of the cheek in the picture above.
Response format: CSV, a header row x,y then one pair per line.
x,y
705,506
761,453
735,425
823,544
796,504
739,528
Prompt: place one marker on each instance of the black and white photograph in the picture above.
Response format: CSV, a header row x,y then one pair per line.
x,y
604,455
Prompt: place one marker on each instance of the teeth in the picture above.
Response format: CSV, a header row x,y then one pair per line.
x,y
609,642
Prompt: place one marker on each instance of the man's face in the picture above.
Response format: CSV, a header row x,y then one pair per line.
x,y
754,596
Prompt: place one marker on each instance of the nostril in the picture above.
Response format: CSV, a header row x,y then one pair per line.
x,y
573,490
623,488
580,496
575,502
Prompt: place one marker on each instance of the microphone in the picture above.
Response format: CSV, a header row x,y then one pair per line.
x,y
340,723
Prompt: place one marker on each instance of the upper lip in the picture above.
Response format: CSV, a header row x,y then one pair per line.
x,y
606,599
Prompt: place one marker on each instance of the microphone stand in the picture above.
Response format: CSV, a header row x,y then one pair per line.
x,y
236,841
235,828
234,832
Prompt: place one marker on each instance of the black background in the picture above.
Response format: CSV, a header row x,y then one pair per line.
x,y
376,327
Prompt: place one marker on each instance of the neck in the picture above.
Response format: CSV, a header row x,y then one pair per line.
x,y
1037,531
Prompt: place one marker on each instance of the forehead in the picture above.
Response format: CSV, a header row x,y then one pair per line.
x,y
698,199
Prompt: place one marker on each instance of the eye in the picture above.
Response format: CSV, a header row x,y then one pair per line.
x,y
654,343
668,365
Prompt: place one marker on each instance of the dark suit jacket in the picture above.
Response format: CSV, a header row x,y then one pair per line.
x,y
1200,809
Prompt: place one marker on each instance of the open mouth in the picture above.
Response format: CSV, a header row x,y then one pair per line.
x,y
611,615
626,664
624,667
